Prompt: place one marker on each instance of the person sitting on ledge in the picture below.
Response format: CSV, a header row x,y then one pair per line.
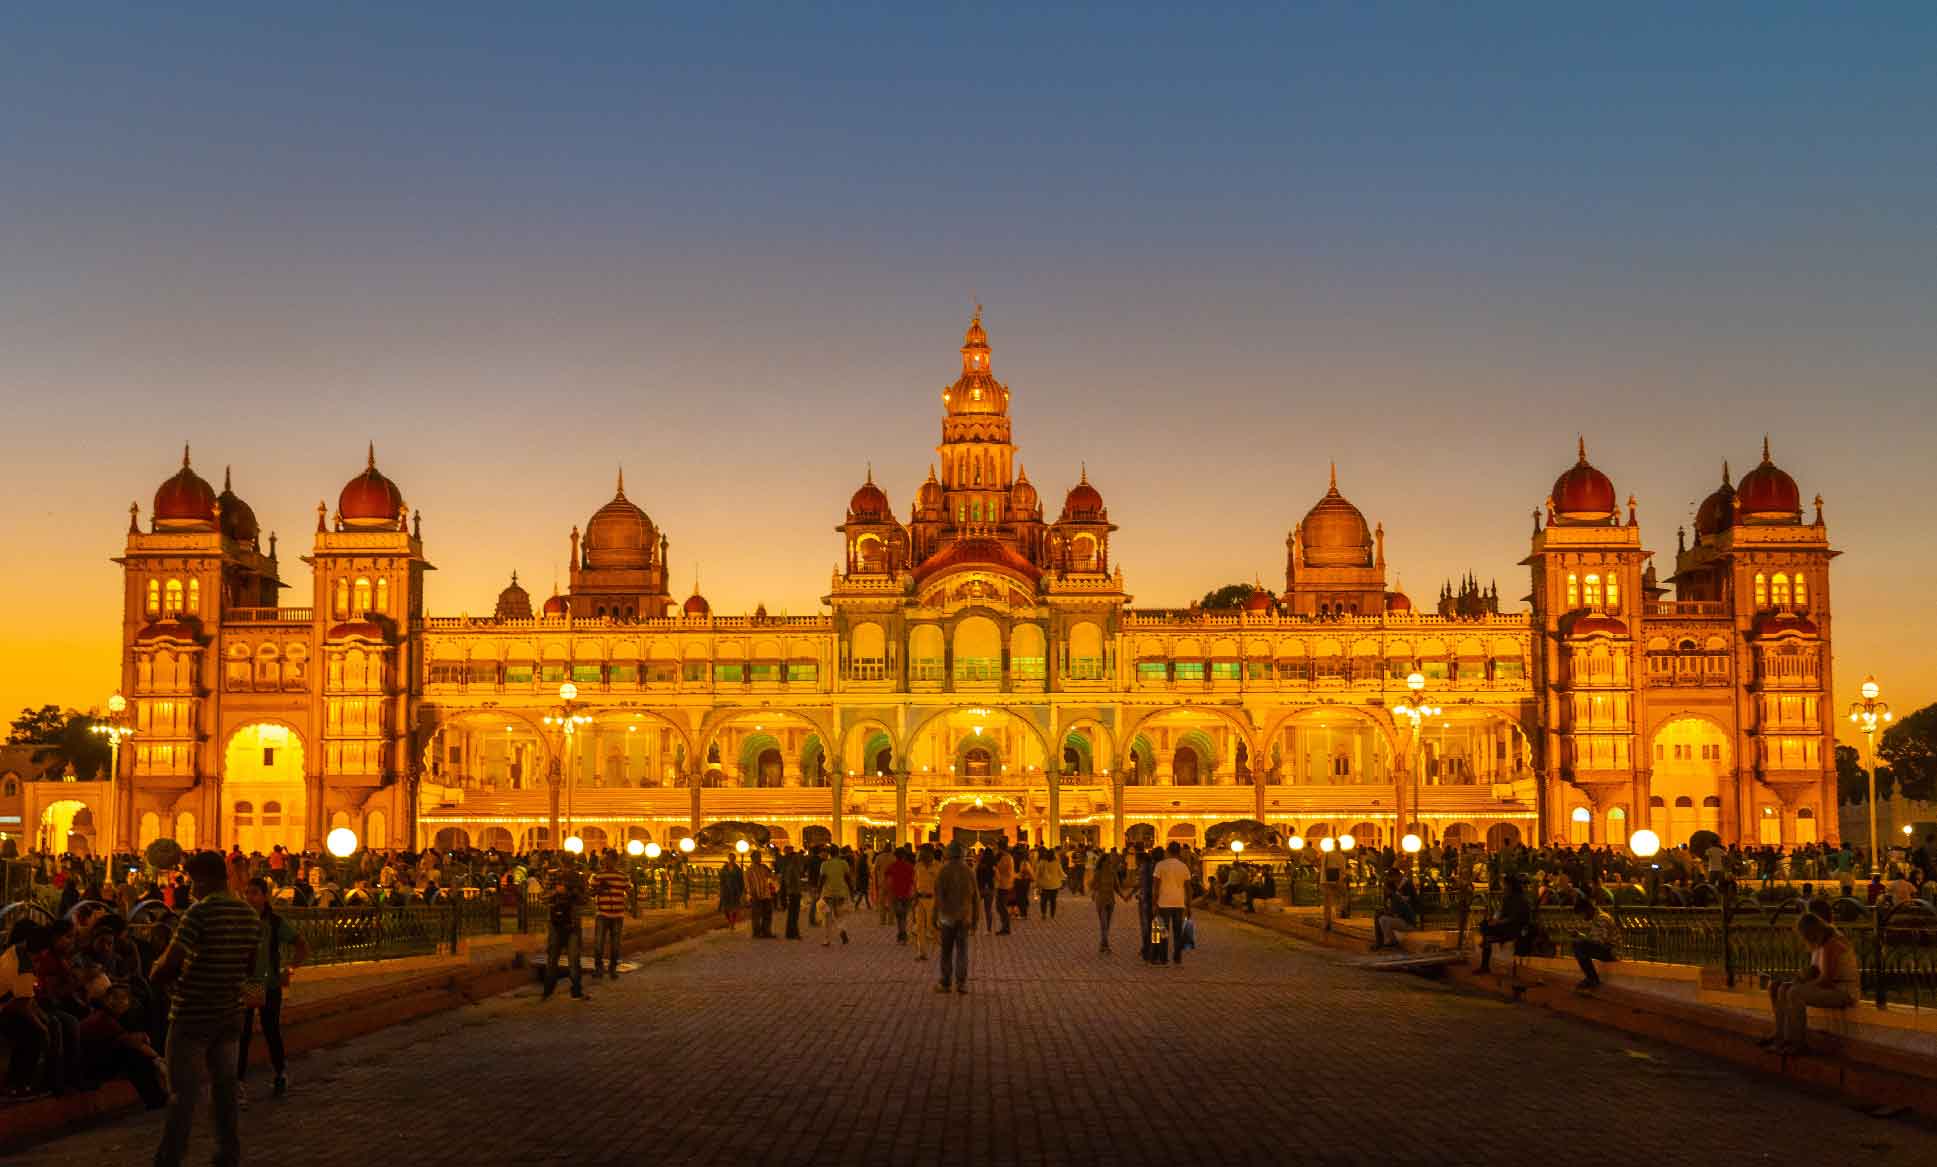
x,y
1597,943
1832,981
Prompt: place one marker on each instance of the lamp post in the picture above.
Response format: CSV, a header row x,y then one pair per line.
x,y
567,718
115,728
1415,710
1867,714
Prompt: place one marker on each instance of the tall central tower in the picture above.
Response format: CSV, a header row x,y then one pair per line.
x,y
977,455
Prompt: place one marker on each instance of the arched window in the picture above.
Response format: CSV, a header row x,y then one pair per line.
x,y
383,596
1761,590
342,599
975,505
961,513
1573,591
154,597
194,597
361,597
1779,590
1802,591
171,604
1593,591
1614,594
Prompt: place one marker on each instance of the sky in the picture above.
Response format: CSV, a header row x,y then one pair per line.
x,y
733,250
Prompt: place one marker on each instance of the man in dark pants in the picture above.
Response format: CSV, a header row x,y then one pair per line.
x,y
562,935
791,874
280,952
1510,925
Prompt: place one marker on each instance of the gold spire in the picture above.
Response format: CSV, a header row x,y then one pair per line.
x,y
372,463
1765,449
1581,440
621,493
1725,473
226,488
1334,483
184,455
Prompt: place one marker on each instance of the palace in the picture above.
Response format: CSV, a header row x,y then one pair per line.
x,y
977,667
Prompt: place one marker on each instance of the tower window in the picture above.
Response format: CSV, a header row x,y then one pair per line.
x,y
361,591
1573,591
383,596
171,604
1779,590
154,597
194,596
342,599
1593,591
1613,593
1802,591
1761,590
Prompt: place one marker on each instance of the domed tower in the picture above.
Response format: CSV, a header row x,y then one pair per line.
x,y
877,545
514,602
927,518
1079,540
1335,561
976,450
1587,599
1025,517
618,570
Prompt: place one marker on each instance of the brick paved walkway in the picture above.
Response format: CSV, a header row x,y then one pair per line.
x,y
1257,1050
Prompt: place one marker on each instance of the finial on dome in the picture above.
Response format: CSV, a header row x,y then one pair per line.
x,y
1581,445
134,521
870,472
1085,477
1765,449
184,455
1725,472
514,578
322,511
371,464
621,482
1334,483
226,489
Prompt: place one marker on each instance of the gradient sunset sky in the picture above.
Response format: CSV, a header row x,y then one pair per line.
x,y
733,250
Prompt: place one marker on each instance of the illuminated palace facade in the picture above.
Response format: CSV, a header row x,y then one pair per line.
x,y
978,666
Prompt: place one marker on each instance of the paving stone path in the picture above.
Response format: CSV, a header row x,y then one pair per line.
x,y
1256,1050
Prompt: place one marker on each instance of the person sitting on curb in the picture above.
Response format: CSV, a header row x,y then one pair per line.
x,y
1399,915
1832,981
1510,925
1597,943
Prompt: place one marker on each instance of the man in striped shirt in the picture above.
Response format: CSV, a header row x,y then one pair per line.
x,y
212,953
609,888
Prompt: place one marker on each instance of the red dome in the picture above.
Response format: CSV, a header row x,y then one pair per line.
x,y
371,501
869,504
1083,500
238,517
929,499
357,629
168,630
1259,601
1768,494
556,606
696,605
978,552
1717,512
184,502
1398,602
1593,624
1023,499
1583,494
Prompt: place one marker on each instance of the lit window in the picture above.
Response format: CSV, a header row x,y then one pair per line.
x,y
1779,590
171,604
361,593
342,599
1761,590
1573,591
154,597
1802,591
383,596
1593,591
1613,594
194,596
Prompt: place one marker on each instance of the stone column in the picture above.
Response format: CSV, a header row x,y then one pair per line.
x,y
838,787
1116,807
901,807
693,785
1053,831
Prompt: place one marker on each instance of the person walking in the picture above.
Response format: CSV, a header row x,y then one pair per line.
x,y
792,876
206,962
1025,879
985,887
833,897
760,893
1172,879
733,891
878,887
562,934
279,952
926,869
955,896
1106,888
1005,883
898,882
1049,881
609,888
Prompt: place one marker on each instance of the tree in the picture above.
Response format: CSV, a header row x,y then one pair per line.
x,y
1910,747
1852,784
38,727
64,738
1229,598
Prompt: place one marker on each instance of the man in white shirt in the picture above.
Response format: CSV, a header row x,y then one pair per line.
x,y
1171,878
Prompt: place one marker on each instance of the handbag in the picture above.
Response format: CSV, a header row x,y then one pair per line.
x,y
1157,932
1189,934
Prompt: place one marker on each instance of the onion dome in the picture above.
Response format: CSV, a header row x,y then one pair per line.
x,y
185,502
978,552
1023,500
1259,601
1768,494
556,605
1593,624
1583,494
169,630
929,500
514,602
1779,623
976,391
869,504
619,534
1334,532
1398,602
696,605
238,518
1083,502
357,630
371,502
1717,512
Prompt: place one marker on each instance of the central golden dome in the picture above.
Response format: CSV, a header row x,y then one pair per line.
x,y
1334,532
619,535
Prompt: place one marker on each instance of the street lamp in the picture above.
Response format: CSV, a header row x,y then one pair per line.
x,y
1237,847
567,718
652,850
574,844
686,845
1328,844
115,729
1296,842
635,848
1347,842
1644,843
1867,714
1411,843
1415,710
341,842
741,848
